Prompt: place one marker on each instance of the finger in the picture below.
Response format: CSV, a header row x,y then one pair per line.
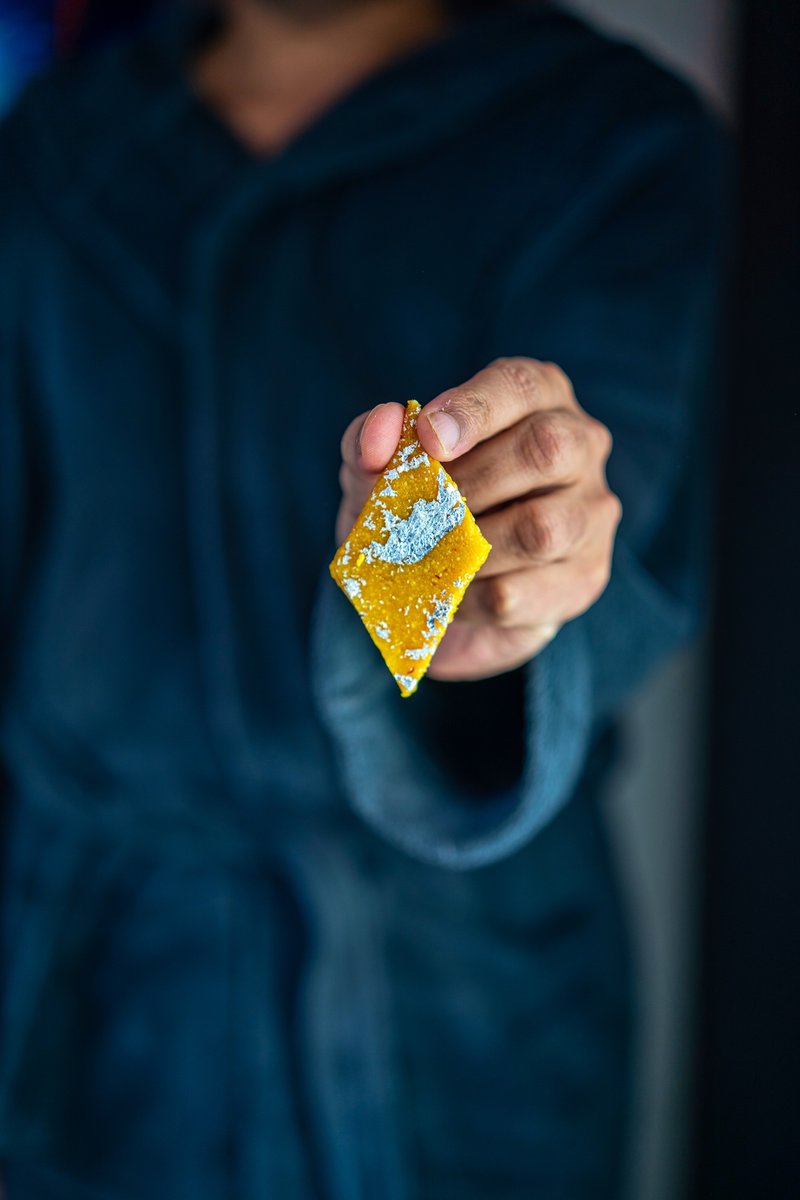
x,y
371,439
368,443
345,520
354,483
494,399
539,596
470,653
537,531
545,449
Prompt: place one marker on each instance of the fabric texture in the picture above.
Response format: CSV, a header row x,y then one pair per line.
x,y
265,931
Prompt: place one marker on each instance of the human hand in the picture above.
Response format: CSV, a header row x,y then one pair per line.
x,y
531,464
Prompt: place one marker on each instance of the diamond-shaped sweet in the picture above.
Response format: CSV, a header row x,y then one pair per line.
x,y
410,557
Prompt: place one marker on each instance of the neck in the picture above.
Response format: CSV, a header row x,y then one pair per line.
x,y
272,71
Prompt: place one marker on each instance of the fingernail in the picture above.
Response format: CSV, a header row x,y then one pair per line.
x,y
364,425
446,428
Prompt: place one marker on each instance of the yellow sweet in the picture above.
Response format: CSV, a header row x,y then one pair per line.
x,y
410,557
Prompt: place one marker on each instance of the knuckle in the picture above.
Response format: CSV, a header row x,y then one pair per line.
x,y
499,598
595,582
601,435
545,444
612,508
556,376
535,534
529,449
609,509
525,377
560,385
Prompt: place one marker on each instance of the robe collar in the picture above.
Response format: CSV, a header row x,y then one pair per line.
x,y
130,159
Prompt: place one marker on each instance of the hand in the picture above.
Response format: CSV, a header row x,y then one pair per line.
x,y
531,464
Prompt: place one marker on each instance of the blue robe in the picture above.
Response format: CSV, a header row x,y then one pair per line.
x,y
269,930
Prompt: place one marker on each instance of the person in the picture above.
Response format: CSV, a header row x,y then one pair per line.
x,y
268,928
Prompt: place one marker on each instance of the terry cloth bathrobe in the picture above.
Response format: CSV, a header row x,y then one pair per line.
x,y
268,929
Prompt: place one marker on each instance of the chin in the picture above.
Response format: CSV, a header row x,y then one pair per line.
x,y
314,8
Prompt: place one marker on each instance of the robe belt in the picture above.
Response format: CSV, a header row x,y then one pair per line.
x,y
345,1067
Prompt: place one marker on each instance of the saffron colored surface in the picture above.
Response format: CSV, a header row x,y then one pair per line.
x,y
410,557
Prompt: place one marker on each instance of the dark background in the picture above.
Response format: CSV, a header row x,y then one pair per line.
x,y
747,1092
742,1098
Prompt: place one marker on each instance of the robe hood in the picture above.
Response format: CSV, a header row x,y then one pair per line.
x,y
109,128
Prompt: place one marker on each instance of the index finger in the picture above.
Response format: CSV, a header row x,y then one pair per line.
x,y
495,399
371,439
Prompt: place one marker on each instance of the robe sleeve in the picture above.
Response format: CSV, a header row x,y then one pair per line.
x,y
626,308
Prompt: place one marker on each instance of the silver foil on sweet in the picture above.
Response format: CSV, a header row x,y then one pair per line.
x,y
408,682
411,538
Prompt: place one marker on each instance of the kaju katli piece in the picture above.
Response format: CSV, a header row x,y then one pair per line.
x,y
410,557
